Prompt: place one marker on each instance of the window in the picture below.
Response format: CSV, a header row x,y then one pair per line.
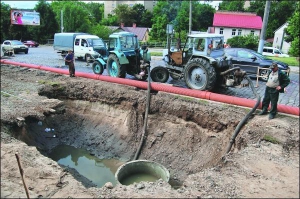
x,y
221,31
244,54
77,42
239,32
233,32
200,44
84,43
252,32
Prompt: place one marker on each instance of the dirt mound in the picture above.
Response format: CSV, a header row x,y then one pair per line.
x,y
188,136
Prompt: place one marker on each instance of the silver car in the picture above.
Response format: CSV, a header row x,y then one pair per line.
x,y
18,46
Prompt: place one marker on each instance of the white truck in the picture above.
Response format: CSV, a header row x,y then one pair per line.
x,y
85,46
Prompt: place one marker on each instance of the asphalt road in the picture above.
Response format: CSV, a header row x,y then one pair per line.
x,y
46,56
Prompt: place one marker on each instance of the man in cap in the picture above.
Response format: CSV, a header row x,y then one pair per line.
x,y
69,59
277,81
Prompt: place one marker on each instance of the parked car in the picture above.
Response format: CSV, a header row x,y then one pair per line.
x,y
31,43
271,51
17,46
249,61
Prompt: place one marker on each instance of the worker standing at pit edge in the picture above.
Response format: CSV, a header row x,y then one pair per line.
x,y
277,81
69,60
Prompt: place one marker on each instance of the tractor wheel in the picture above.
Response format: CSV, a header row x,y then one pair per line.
x,y
200,75
114,68
98,68
159,74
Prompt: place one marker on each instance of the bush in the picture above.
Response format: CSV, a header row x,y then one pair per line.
x,y
247,41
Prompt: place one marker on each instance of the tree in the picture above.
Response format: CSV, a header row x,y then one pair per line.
x,y
247,41
293,32
48,25
96,11
203,17
125,14
280,12
76,18
164,12
146,20
230,5
5,21
111,20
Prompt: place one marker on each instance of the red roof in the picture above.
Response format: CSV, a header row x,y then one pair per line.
x,y
237,20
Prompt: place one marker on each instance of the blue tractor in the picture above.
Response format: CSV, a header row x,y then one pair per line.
x,y
124,57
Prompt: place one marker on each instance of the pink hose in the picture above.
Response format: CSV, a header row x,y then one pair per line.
x,y
162,87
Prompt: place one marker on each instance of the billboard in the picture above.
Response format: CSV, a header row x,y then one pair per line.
x,y
24,17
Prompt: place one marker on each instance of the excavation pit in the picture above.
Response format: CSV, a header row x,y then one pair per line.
x,y
187,136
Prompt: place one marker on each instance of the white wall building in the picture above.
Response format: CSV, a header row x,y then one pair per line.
x,y
278,41
232,24
109,6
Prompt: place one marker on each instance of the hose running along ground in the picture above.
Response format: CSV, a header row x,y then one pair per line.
x,y
145,120
243,121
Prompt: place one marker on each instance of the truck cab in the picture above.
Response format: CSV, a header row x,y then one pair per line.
x,y
89,46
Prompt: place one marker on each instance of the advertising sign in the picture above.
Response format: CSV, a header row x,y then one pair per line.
x,y
25,17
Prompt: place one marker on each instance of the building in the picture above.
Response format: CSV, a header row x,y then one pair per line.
x,y
278,41
141,32
109,6
232,24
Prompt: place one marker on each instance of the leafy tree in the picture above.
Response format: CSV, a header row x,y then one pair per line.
x,y
76,18
280,12
96,11
101,31
48,25
125,14
203,17
293,32
247,41
111,20
230,5
164,13
139,10
146,20
5,21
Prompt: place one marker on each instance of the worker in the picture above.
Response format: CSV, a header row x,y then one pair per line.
x,y
277,81
69,60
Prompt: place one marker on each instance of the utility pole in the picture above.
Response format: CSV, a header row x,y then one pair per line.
x,y
61,21
190,18
264,28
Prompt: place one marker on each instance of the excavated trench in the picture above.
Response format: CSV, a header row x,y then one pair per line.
x,y
186,135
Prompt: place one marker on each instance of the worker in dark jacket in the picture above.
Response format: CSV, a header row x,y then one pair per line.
x,y
277,81
69,59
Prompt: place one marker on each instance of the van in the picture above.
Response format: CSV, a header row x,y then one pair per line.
x,y
271,51
83,45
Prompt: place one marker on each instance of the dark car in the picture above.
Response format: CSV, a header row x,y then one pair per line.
x,y
31,43
249,61
16,45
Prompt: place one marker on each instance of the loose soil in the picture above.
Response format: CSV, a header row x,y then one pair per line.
x,y
188,136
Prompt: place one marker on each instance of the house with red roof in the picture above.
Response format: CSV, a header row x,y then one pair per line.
x,y
141,32
232,24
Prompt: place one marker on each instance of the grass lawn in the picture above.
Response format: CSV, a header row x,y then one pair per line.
x,y
291,61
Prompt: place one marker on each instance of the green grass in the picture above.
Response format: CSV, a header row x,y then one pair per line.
x,y
156,53
271,139
291,61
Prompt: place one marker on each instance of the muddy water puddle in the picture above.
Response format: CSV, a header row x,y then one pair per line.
x,y
139,178
98,171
